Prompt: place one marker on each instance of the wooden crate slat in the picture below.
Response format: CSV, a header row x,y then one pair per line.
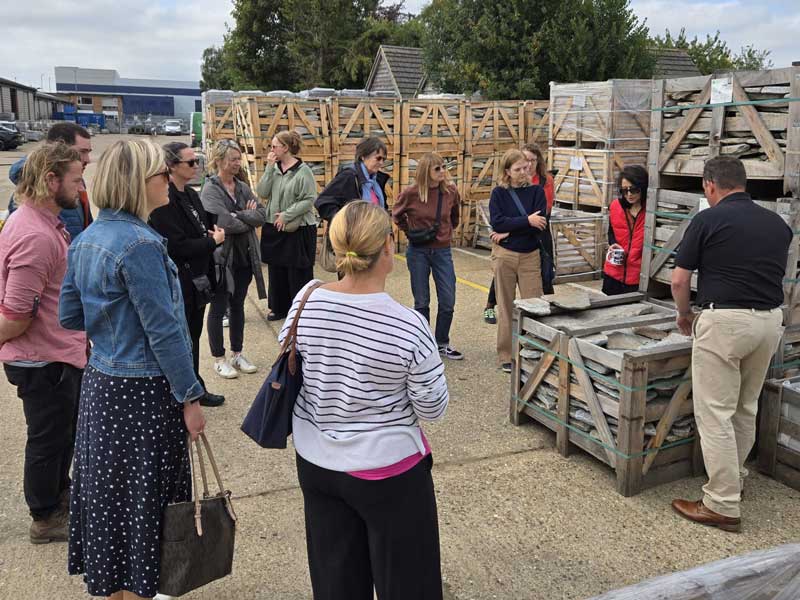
x,y
774,458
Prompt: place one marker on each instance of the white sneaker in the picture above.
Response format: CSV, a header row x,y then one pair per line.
x,y
163,597
225,370
240,363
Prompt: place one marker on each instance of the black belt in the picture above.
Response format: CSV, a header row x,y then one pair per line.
x,y
723,306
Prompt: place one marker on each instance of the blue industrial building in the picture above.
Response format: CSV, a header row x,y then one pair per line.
x,y
157,97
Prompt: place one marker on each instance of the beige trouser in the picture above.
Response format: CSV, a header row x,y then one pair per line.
x,y
512,268
730,357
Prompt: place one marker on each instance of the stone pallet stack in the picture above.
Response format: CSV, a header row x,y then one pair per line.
x,y
218,117
609,375
595,129
259,117
537,123
779,431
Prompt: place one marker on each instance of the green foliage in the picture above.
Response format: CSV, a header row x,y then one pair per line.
x,y
515,48
713,53
214,74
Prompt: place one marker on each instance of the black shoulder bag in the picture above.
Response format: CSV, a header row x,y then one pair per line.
x,y
548,266
419,237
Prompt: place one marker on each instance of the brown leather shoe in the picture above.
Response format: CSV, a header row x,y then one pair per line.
x,y
54,528
700,513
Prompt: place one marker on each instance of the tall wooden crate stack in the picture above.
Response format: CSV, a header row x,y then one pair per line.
x,y
747,114
259,117
218,117
595,129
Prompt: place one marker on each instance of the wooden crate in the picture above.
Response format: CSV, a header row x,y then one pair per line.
x,y
580,241
630,409
259,118
748,114
482,229
434,126
586,179
353,120
494,127
219,122
537,123
667,220
786,362
779,431
610,115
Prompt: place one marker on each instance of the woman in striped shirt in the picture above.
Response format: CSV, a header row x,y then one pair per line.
x,y
371,372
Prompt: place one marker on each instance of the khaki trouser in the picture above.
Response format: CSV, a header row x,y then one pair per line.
x,y
512,268
730,357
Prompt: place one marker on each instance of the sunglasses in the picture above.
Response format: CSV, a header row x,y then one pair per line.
x,y
164,174
380,158
629,190
439,168
192,163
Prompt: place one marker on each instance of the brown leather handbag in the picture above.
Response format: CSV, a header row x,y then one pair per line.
x,y
197,536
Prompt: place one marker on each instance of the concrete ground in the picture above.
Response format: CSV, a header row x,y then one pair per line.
x,y
517,521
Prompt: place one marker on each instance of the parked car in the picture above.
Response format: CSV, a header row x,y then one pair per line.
x,y
10,137
171,127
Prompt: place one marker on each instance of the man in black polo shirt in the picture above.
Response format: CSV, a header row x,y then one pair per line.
x,y
740,251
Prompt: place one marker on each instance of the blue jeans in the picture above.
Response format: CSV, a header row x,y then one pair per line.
x,y
421,262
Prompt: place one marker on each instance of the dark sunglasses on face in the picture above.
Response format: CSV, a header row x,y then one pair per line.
x,y
380,158
629,190
192,163
439,168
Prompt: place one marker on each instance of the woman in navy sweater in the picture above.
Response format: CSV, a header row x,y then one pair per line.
x,y
517,213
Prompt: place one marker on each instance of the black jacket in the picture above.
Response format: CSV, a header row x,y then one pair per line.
x,y
188,243
346,186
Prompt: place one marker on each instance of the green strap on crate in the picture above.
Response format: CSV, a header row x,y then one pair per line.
x,y
726,104
582,433
610,380
669,215
660,249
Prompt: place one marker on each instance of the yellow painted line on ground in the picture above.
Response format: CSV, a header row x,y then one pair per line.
x,y
466,282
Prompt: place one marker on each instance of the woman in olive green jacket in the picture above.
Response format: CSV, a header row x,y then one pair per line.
x,y
289,238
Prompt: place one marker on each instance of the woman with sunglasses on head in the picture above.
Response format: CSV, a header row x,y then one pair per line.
x,y
289,237
626,233
140,395
363,179
428,212
238,260
192,236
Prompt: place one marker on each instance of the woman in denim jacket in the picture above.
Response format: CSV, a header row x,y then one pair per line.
x,y
139,393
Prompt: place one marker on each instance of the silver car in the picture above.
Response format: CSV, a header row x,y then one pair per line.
x,y
172,127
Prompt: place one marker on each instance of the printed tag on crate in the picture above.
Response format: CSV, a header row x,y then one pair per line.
x,y
721,91
579,101
702,204
576,163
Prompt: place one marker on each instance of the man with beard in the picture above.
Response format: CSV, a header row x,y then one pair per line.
x,y
79,217
43,360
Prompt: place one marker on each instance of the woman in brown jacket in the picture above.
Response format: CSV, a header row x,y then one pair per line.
x,y
428,212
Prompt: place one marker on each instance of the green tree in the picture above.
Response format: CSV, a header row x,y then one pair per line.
x,y
360,56
213,71
713,53
515,48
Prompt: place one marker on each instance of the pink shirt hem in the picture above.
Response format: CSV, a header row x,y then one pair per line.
x,y
398,468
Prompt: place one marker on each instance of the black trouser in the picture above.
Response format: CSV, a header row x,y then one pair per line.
x,y
235,301
49,397
362,533
614,287
195,317
284,284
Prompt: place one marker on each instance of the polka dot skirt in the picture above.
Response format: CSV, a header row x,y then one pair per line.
x,y
131,461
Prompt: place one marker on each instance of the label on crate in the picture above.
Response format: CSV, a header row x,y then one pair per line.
x,y
579,101
702,204
721,90
576,163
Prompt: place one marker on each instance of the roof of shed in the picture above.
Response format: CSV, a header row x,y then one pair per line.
x,y
405,65
674,62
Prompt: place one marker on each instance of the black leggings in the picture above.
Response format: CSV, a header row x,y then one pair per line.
x,y
222,300
362,533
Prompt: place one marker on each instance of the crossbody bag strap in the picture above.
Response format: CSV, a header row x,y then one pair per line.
x,y
517,201
438,212
290,342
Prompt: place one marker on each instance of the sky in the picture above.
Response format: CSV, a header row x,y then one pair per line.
x,y
165,38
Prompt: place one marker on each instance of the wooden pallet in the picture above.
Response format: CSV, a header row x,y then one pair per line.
x,y
586,179
745,114
494,127
580,241
667,221
779,432
434,126
219,122
608,115
537,123
482,229
632,410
